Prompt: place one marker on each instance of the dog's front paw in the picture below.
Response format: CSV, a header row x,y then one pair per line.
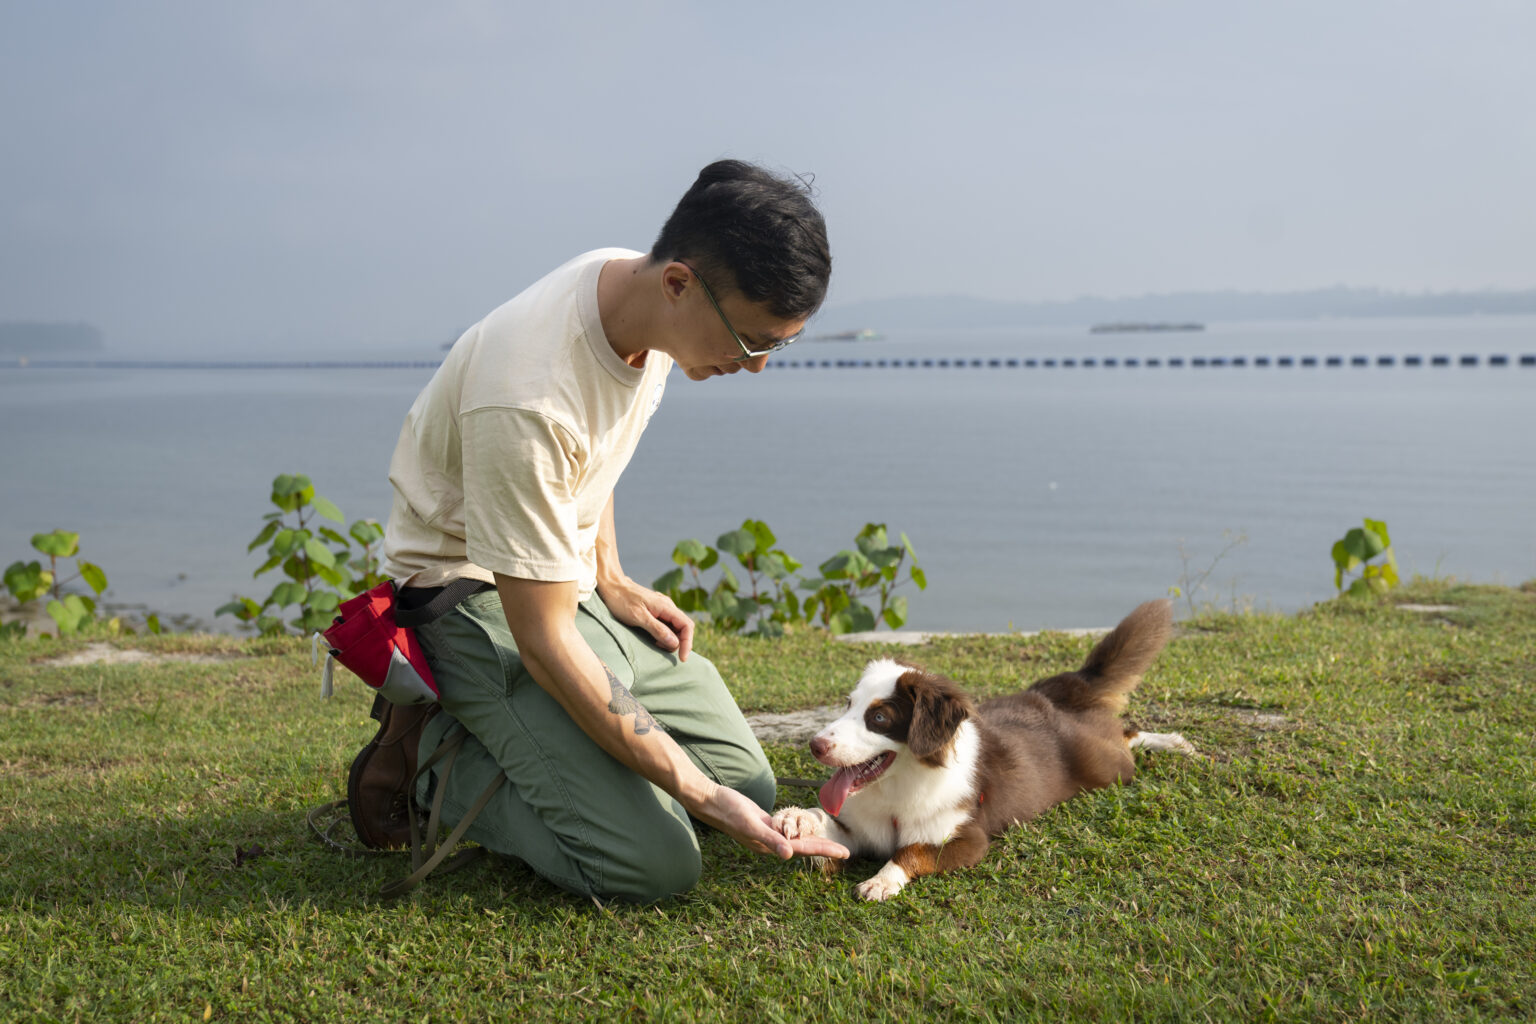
x,y
879,887
797,823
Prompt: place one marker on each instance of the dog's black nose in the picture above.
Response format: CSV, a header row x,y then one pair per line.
x,y
819,746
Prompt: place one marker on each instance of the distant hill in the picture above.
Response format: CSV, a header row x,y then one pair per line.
x,y
25,338
939,311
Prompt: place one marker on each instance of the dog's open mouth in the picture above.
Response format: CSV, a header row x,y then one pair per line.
x,y
852,779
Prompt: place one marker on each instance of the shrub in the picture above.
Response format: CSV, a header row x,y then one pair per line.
x,y
322,567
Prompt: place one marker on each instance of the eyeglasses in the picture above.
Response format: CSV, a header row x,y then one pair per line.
x,y
746,353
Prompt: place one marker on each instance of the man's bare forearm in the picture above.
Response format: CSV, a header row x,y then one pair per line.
x,y
542,619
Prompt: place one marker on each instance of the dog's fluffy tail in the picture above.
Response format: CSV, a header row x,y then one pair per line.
x,y
1115,665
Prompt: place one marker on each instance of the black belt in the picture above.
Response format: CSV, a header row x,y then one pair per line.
x,y
416,606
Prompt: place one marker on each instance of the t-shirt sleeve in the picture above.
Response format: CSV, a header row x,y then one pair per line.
x,y
520,512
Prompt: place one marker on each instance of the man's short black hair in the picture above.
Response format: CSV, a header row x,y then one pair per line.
x,y
744,227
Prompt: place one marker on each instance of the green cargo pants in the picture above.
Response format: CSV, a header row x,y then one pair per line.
x,y
571,811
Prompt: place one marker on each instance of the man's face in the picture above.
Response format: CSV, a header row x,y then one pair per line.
x,y
720,326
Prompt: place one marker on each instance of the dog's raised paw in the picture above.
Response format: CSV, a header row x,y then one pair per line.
x,y
797,822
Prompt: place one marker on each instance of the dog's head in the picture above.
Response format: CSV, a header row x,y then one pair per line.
x,y
895,711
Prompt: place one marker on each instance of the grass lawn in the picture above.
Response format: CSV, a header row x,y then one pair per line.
x,y
1359,844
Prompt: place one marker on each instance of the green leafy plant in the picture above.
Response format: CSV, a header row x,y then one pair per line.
x,y
768,596
873,566
322,566
71,612
1368,550
839,599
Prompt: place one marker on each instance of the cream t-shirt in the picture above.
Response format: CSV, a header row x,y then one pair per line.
x,y
508,456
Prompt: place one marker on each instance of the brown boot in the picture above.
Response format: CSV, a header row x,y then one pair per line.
x,y
379,784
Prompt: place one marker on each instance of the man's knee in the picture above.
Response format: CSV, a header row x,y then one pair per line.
x,y
760,787
666,865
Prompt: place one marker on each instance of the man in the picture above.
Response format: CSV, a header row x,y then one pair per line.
x,y
573,681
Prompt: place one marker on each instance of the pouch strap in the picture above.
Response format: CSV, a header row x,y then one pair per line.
x,y
426,854
443,602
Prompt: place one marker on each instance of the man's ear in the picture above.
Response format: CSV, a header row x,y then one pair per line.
x,y
675,279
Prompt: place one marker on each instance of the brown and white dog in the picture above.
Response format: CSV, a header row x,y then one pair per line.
x,y
926,778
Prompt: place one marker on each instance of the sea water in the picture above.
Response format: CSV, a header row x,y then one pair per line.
x,y
1035,497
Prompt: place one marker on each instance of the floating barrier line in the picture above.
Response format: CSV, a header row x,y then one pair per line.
x,y
994,363
1158,362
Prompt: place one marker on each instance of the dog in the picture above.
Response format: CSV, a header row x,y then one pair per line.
x,y
926,778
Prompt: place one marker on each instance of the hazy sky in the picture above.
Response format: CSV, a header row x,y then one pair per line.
x,y
374,175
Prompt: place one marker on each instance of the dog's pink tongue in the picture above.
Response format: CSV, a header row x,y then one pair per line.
x,y
835,790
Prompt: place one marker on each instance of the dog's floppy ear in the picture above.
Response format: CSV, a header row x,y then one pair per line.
x,y
938,708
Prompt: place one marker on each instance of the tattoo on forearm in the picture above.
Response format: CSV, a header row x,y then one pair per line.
x,y
624,703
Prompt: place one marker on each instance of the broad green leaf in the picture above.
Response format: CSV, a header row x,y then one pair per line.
x,y
896,612
93,576
58,544
285,594
335,577
862,617
268,565
26,580
740,543
319,553
1360,588
908,545
241,608
919,577
874,533
728,582
1389,575
1341,555
759,530
692,600
266,534
840,623
669,581
1379,528
152,624
284,543
70,614
323,601
366,532
1363,545
689,551
846,565
334,537
772,563
328,509
270,625
312,621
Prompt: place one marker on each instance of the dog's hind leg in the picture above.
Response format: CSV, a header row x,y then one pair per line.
x,y
1171,741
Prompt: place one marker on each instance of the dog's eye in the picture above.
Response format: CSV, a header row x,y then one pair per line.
x,y
880,719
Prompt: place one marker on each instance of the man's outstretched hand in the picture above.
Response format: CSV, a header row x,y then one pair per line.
x,y
752,827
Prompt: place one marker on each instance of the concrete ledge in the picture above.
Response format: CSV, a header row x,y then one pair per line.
x,y
914,638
